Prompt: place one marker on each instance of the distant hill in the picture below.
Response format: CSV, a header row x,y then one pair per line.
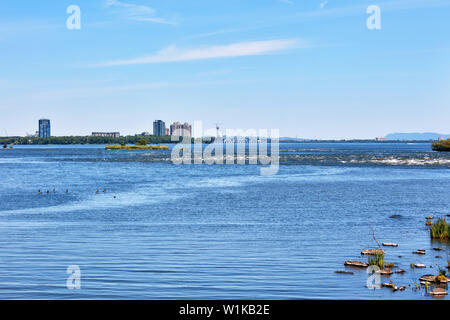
x,y
417,136
292,139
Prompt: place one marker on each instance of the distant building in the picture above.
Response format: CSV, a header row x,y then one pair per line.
x,y
381,139
44,128
167,132
145,133
181,129
106,134
159,128
441,138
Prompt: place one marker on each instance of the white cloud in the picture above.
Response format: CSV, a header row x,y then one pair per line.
x,y
323,4
137,12
239,49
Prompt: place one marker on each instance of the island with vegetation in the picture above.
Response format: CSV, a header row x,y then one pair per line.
x,y
141,144
443,145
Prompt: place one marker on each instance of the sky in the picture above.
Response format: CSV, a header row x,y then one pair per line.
x,y
310,68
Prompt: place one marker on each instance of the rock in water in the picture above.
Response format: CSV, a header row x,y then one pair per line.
x,y
436,279
388,244
428,278
438,292
358,264
385,272
343,272
390,285
372,252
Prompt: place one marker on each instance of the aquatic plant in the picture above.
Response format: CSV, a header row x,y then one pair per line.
x,y
442,277
440,230
377,260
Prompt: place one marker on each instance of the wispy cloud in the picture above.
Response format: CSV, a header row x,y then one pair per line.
x,y
217,32
137,12
287,1
239,49
323,4
356,9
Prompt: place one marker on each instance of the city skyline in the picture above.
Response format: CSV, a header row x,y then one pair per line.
x,y
185,129
312,70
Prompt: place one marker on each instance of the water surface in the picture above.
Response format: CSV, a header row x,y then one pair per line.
x,y
162,231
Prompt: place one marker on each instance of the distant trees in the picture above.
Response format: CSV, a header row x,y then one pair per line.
x,y
86,140
443,145
141,142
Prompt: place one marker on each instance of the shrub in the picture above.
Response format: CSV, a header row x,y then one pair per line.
x,y
141,142
440,230
443,145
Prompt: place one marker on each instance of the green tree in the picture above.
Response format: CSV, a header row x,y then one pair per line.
x,y
141,142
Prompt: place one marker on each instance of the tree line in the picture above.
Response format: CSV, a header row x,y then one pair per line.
x,y
443,145
85,140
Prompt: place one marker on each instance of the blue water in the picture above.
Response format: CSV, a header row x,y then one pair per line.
x,y
162,231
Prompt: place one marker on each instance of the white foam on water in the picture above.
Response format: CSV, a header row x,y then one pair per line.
x,y
403,162
21,160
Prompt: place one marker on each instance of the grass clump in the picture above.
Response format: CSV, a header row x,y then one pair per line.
x,y
440,230
377,260
442,277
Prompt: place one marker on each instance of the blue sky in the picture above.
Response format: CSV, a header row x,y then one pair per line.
x,y
309,68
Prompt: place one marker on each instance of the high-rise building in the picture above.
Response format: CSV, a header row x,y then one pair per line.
x,y
159,128
44,128
181,129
